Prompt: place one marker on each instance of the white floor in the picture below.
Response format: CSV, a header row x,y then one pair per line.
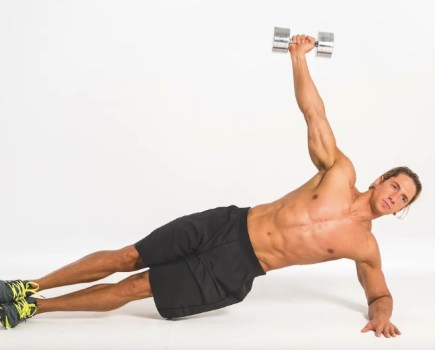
x,y
304,307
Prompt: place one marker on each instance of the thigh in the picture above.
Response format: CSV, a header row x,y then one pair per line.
x,y
203,282
178,292
184,236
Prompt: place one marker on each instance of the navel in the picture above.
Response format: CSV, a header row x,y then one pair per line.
x,y
330,251
268,234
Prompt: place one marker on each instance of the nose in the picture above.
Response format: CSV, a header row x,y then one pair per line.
x,y
391,199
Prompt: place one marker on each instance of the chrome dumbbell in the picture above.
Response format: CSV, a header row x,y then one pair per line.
x,y
324,43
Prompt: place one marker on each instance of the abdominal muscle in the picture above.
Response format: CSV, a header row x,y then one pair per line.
x,y
285,233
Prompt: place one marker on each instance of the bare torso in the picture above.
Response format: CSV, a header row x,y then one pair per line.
x,y
309,225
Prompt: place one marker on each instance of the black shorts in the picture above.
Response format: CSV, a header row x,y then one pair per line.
x,y
200,262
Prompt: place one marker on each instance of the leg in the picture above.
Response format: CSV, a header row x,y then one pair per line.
x,y
102,297
93,267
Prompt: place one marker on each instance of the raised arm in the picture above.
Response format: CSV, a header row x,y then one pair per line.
x,y
379,298
321,140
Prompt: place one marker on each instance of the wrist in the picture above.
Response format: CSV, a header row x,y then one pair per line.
x,y
380,314
380,317
297,55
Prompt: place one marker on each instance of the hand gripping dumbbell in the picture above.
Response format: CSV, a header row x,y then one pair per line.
x,y
324,43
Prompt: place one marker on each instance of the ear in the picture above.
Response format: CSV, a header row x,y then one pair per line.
x,y
378,181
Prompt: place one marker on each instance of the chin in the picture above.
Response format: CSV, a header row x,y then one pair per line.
x,y
381,210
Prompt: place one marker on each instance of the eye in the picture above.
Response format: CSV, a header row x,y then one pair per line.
x,y
394,186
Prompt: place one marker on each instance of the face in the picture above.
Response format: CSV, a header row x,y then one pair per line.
x,y
392,195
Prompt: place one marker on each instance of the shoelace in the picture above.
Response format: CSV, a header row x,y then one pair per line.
x,y
19,289
25,310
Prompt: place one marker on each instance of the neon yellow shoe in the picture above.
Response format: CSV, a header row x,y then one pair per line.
x,y
11,291
12,314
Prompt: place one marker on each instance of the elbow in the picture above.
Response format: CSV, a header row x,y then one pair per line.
x,y
313,109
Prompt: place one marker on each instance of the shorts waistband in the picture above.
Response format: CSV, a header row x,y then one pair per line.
x,y
246,242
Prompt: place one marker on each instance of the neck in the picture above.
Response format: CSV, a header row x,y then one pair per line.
x,y
362,208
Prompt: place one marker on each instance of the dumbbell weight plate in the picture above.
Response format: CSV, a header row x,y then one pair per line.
x,y
325,44
281,39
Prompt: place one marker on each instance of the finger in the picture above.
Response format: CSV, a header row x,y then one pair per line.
x,y
378,331
367,328
300,39
394,330
386,333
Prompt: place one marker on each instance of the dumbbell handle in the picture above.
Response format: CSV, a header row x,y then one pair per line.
x,y
316,43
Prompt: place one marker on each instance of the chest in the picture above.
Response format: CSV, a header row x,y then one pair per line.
x,y
326,197
337,238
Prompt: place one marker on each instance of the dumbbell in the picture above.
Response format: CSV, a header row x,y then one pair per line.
x,y
324,43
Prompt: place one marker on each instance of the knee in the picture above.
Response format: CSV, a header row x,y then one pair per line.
x,y
128,259
137,286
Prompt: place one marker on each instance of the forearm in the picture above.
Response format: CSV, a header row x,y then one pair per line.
x,y
378,296
381,307
307,96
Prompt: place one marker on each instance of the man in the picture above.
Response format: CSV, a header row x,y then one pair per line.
x,y
208,260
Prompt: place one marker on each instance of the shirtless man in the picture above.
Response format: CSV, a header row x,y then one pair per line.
x,y
208,260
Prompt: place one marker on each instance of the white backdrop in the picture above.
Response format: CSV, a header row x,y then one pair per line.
x,y
118,116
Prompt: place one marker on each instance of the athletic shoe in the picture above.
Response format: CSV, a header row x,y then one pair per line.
x,y
12,314
11,291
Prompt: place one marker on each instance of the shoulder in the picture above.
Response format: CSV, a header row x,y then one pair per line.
x,y
369,253
342,169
